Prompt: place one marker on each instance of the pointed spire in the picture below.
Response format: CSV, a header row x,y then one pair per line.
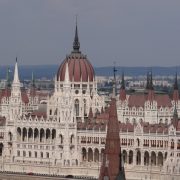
x,y
66,79
112,152
8,84
33,80
76,43
16,73
114,81
151,81
122,81
176,82
147,81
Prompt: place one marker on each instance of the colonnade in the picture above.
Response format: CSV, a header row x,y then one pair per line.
x,y
36,135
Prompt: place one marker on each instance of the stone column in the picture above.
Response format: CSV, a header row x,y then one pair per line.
x,y
142,158
134,157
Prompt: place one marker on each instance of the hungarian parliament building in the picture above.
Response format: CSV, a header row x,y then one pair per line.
x,y
64,132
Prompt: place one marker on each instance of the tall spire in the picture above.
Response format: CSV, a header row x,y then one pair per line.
x,y
114,81
16,73
122,92
147,81
176,82
8,84
76,43
33,80
122,81
151,81
111,165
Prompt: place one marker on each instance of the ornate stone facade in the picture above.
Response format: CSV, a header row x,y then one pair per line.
x,y
68,136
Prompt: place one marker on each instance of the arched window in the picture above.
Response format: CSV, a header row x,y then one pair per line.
x,y
18,153
85,112
76,107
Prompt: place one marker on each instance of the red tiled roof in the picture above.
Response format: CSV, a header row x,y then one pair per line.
x,y
138,100
24,97
79,67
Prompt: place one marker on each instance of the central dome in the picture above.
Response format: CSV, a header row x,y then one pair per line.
x,y
80,69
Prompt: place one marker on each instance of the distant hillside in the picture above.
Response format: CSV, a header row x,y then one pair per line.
x,y
49,71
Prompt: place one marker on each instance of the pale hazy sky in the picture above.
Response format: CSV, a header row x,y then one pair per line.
x,y
130,32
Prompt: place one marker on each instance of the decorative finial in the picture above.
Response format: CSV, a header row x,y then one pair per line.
x,y
76,43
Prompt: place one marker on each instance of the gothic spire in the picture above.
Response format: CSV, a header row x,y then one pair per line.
x,y
114,81
122,81
111,165
76,43
176,82
33,80
16,73
147,81
151,81
8,84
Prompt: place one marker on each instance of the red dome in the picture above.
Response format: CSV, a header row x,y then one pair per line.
x,y
79,68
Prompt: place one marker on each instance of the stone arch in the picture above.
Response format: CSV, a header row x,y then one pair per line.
x,y
84,154
96,155
19,134
53,134
102,154
138,158
76,106
72,139
160,159
36,134
1,148
10,136
172,143
146,158
90,154
30,134
124,155
85,107
48,134
138,142
130,157
42,135
24,134
153,158
61,138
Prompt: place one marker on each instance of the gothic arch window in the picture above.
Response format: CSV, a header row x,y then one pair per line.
x,y
50,112
85,112
1,149
72,139
76,107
